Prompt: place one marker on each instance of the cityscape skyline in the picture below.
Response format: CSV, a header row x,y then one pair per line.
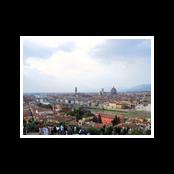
x,y
58,64
142,87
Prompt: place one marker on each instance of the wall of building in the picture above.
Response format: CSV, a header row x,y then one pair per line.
x,y
106,120
141,107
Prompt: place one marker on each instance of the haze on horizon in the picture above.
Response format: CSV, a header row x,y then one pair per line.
x,y
58,64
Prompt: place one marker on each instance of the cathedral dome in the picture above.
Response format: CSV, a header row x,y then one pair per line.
x,y
113,90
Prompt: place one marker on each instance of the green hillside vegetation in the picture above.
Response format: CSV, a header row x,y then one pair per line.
x,y
122,112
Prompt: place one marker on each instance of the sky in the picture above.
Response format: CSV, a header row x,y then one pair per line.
x,y
59,64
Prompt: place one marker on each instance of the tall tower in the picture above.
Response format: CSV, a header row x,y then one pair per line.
x,y
75,90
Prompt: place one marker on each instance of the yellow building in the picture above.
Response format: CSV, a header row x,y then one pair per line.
x,y
117,105
112,106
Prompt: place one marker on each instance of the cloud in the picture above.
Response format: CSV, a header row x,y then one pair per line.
x,y
73,63
46,41
39,46
126,49
34,50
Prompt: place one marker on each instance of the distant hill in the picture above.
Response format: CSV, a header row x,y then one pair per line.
x,y
138,88
143,87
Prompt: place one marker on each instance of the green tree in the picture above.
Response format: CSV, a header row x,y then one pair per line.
x,y
116,120
136,132
50,107
99,119
70,113
87,114
24,122
108,130
148,132
102,131
95,119
93,131
79,113
31,126
78,116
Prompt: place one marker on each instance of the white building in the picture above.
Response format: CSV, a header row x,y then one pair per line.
x,y
81,102
46,103
72,101
141,107
76,102
67,101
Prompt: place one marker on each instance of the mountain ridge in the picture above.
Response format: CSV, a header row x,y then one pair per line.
x,y
138,88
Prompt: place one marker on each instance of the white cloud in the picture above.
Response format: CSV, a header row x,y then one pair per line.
x,y
62,71
83,43
46,41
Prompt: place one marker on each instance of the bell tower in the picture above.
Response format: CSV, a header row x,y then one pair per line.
x,y
75,91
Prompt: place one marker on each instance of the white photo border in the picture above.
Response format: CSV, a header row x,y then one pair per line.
x,y
90,136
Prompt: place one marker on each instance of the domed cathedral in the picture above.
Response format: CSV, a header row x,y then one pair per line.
x,y
113,91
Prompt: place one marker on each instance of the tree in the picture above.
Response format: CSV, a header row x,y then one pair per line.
x,y
79,113
115,121
99,119
31,126
50,107
93,131
70,113
94,119
136,132
24,122
147,132
87,114
102,130
108,130
78,116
